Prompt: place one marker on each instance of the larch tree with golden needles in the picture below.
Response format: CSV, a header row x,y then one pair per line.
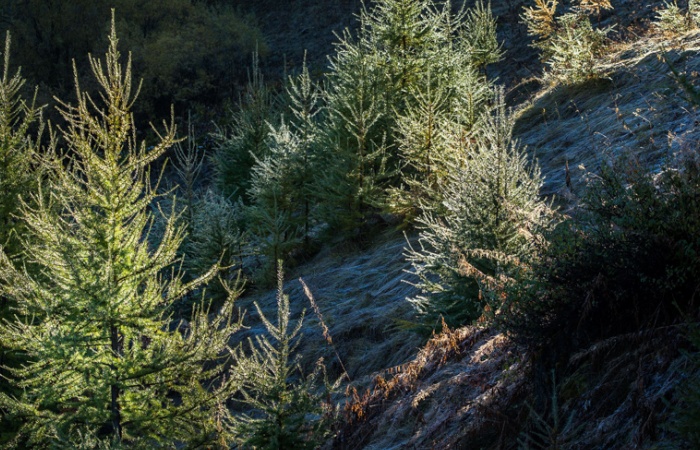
x,y
106,364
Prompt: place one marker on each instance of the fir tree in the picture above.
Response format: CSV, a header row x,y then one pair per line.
x,y
105,362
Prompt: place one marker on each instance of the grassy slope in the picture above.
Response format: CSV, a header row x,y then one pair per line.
x,y
362,297
637,108
465,388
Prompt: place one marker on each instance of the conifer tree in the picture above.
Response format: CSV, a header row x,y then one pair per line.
x,y
271,216
218,236
305,106
106,365
354,134
244,140
480,36
382,85
401,31
18,152
20,132
285,405
569,43
422,147
189,160
486,227
282,190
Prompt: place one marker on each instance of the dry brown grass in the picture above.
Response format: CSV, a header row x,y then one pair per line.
x,y
454,391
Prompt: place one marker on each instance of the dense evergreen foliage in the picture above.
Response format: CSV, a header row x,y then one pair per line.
x,y
118,286
570,45
406,54
487,227
242,140
106,362
628,262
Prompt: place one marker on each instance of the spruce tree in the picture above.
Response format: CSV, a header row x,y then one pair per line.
x,y
422,146
354,136
486,228
569,43
282,191
271,215
189,161
305,106
244,139
480,35
106,364
406,56
218,236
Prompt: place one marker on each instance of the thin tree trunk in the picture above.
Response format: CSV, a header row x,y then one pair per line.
x,y
116,343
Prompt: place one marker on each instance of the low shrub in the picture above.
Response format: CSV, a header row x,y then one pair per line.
x,y
629,261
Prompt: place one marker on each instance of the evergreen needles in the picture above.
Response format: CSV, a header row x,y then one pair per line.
x,y
286,407
105,361
486,227
569,43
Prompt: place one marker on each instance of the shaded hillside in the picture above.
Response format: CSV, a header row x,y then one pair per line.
x,y
473,387
362,297
461,297
305,27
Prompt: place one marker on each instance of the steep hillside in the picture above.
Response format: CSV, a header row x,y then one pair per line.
x,y
636,108
362,296
472,387
452,295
